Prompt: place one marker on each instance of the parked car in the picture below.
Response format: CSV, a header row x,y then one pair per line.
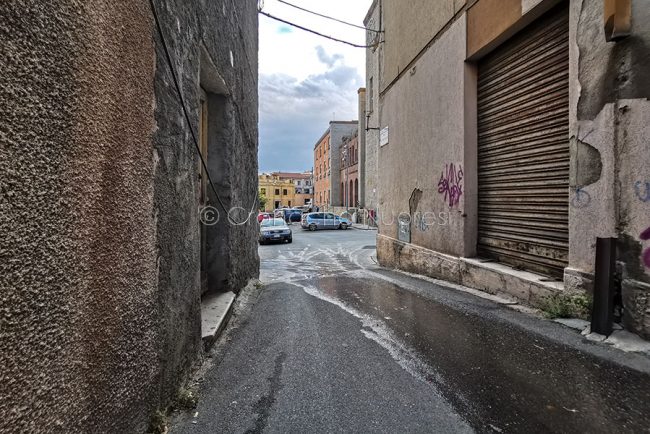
x,y
275,230
324,220
293,214
288,214
263,216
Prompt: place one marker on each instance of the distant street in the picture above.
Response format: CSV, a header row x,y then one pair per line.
x,y
334,343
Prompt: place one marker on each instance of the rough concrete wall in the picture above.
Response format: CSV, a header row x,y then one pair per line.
x,y
99,265
608,164
422,166
338,130
78,332
610,135
222,31
362,146
371,142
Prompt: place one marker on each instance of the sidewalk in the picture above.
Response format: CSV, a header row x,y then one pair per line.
x,y
363,227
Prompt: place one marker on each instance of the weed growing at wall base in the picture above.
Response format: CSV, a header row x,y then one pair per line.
x,y
567,306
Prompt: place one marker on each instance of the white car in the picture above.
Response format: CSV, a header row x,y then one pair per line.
x,y
275,230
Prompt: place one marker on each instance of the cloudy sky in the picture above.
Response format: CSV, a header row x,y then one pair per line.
x,y
306,80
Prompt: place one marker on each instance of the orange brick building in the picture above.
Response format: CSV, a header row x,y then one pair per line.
x,y
327,167
322,170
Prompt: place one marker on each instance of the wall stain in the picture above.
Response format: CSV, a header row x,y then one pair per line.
x,y
414,200
587,167
265,403
645,236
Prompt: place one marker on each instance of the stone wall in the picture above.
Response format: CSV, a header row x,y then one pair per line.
x,y
99,264
371,140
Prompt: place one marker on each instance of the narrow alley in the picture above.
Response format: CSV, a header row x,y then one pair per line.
x,y
293,216
332,342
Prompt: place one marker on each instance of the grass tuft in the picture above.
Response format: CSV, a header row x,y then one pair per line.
x,y
158,423
186,399
567,306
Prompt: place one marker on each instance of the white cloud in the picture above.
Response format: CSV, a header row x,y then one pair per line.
x,y
306,80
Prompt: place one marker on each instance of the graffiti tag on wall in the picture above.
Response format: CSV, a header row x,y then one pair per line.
x,y
642,190
582,199
645,236
451,184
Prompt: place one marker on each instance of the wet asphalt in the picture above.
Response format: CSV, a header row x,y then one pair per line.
x,y
335,343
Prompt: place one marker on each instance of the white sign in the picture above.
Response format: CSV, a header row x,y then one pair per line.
x,y
383,136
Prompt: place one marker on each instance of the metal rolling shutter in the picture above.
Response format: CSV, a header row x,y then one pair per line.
x,y
523,148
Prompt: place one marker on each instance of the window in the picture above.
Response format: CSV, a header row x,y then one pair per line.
x,y
289,204
277,191
263,190
285,192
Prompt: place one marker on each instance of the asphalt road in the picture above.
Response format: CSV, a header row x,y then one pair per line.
x,y
334,343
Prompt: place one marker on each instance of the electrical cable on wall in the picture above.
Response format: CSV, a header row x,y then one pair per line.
x,y
187,116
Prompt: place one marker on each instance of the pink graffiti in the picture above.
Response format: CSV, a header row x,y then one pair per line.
x,y
645,236
451,184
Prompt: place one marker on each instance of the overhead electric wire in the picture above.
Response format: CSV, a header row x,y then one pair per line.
x,y
314,31
327,17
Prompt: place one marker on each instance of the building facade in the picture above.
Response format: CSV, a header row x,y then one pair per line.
x,y
349,173
105,256
322,171
327,168
361,109
369,109
279,192
303,185
521,123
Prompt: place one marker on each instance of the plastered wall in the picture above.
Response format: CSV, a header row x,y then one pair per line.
x,y
99,261
421,170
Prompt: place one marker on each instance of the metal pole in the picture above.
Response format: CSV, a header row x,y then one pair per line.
x,y
602,315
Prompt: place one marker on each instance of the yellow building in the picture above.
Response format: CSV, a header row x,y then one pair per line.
x,y
278,192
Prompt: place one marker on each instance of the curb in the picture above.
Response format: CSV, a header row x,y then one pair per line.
x,y
216,310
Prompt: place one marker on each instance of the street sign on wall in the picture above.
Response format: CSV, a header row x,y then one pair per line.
x,y
383,136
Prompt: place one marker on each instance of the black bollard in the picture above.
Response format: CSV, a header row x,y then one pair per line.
x,y
602,314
